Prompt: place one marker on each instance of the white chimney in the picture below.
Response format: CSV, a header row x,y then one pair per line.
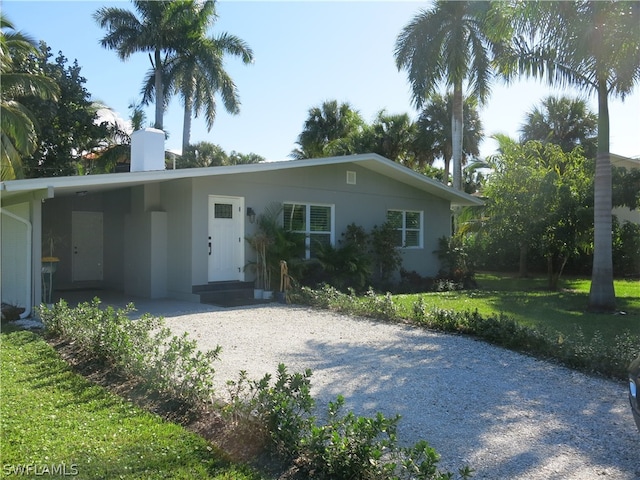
x,y
147,150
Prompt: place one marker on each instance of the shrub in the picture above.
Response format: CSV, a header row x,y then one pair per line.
x,y
626,245
457,271
349,446
280,412
141,348
386,256
346,266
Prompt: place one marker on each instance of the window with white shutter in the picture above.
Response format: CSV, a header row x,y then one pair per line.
x,y
315,222
408,226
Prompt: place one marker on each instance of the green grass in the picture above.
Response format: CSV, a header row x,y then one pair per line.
x,y
529,303
51,416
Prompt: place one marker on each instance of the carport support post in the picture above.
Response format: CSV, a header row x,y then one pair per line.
x,y
36,250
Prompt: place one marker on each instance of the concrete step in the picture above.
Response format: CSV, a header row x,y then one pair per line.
x,y
227,294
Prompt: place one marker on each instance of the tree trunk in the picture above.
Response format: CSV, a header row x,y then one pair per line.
x,y
447,167
186,124
522,264
456,136
159,91
602,295
554,275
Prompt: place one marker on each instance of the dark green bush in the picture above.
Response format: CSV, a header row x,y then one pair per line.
x,y
285,408
386,256
348,446
346,266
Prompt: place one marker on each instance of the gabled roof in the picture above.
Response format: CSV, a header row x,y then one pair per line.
x,y
60,186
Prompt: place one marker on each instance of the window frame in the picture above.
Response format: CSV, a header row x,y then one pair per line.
x,y
404,229
307,232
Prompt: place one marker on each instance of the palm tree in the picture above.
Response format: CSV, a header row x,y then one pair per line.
x,y
563,121
196,71
591,45
433,139
161,28
327,124
393,136
18,137
449,46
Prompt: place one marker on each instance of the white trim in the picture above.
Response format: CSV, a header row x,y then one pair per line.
x,y
370,161
29,293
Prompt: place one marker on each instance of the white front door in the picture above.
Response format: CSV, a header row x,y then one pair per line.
x,y
226,238
87,246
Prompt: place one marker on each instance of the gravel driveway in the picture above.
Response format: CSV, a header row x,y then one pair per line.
x,y
506,415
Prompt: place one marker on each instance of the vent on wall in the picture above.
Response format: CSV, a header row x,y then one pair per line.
x,y
351,177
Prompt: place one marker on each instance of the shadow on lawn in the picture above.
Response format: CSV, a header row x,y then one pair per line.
x,y
564,310
470,402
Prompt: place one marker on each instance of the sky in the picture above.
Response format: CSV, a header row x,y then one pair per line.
x,y
305,53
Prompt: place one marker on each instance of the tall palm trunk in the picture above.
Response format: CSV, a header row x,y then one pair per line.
x,y
159,91
602,295
447,167
456,136
186,124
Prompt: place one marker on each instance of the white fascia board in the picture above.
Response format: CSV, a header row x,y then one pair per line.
x,y
370,161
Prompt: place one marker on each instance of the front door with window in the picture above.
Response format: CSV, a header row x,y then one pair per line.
x,y
226,238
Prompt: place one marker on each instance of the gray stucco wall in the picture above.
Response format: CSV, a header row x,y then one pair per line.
x,y
364,203
155,235
177,202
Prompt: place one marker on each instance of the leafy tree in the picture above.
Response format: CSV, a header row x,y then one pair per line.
x,y
236,158
538,199
67,127
115,150
328,129
158,27
591,45
450,45
203,154
206,154
196,71
18,125
626,188
434,135
563,121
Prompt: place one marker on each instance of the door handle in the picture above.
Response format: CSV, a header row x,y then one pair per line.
x,y
209,245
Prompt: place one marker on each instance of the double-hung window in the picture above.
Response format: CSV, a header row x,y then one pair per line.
x,y
408,227
315,222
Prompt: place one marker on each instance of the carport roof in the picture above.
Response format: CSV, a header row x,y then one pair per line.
x,y
61,186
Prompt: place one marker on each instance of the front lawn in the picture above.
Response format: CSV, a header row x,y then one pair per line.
x,y
54,421
530,303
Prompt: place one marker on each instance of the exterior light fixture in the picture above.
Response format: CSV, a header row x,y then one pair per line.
x,y
251,214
